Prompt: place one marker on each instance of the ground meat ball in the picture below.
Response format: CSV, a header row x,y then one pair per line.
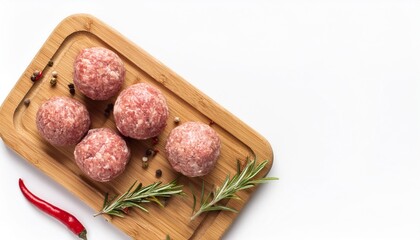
x,y
141,111
102,154
193,148
62,121
98,73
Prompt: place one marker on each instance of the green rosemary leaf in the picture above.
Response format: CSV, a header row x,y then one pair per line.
x,y
220,208
194,203
142,208
263,180
116,213
247,186
105,200
233,196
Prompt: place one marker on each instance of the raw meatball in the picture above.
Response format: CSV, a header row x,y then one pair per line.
x,y
193,148
102,154
98,73
62,121
141,111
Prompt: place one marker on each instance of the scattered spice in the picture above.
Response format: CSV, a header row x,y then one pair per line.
x,y
145,159
53,81
177,120
211,122
66,218
145,165
149,152
50,63
27,102
38,76
108,109
155,140
165,201
156,151
158,173
110,106
54,74
71,88
126,210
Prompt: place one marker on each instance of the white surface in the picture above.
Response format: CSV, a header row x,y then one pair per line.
x,y
333,85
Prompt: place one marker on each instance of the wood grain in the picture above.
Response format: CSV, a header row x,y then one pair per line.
x,y
18,131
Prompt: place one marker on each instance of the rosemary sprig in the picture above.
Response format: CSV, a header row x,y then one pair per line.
x,y
240,181
134,198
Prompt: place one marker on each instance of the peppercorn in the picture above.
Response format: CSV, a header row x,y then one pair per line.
x,y
54,74
149,152
165,201
144,165
27,102
145,159
50,63
177,120
110,106
158,173
71,88
33,78
53,81
155,152
36,73
155,140
108,109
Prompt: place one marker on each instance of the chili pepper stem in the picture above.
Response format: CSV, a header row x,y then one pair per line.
x,y
83,235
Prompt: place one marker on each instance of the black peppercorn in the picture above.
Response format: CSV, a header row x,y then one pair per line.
x,y
27,102
149,152
158,173
50,63
110,106
71,88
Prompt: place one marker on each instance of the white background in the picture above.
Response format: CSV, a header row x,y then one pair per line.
x,y
333,85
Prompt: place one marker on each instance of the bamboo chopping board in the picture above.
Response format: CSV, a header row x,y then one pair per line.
x,y
18,131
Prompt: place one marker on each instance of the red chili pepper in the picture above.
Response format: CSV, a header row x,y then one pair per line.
x,y
66,218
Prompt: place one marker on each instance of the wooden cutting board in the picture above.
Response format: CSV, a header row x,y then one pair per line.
x,y
18,131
